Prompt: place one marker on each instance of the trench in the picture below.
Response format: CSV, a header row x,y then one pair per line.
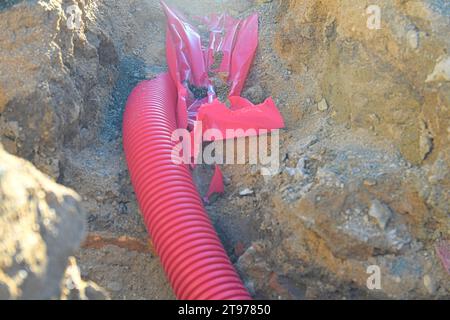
x,y
266,231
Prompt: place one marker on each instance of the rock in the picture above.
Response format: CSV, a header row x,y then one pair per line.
x,y
53,80
41,226
322,105
349,235
246,192
226,180
255,94
413,39
123,208
254,269
291,171
441,71
370,182
337,234
301,166
299,171
355,94
74,288
381,212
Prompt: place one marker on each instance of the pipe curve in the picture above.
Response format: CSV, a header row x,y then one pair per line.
x,y
190,251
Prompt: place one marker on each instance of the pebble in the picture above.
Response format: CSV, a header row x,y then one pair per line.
x,y
123,208
429,284
226,180
366,218
434,179
381,213
369,182
441,71
246,192
413,39
290,171
255,94
322,105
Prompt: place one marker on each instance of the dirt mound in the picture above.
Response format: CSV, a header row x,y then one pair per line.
x,y
364,177
41,226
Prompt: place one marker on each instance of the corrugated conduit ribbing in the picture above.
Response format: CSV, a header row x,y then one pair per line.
x,y
191,253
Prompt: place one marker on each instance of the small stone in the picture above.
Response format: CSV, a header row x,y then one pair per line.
x,y
434,179
123,208
429,284
246,192
381,213
374,118
441,71
255,94
322,105
226,180
290,171
413,39
369,182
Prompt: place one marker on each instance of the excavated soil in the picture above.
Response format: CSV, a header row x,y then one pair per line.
x,y
366,139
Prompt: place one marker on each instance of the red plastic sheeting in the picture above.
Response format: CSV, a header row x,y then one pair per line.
x,y
191,63
190,250
242,115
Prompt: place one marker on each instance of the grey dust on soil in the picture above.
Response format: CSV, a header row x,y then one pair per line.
x,y
8,3
131,70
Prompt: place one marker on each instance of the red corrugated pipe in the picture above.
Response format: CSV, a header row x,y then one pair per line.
x,y
191,253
